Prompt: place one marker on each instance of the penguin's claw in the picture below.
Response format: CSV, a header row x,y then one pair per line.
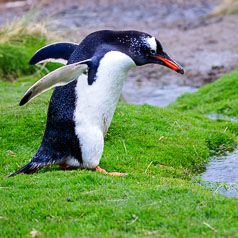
x,y
100,170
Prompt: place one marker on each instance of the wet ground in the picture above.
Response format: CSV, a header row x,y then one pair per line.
x,y
220,173
215,116
206,47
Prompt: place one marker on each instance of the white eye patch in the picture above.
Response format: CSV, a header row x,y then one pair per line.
x,y
151,42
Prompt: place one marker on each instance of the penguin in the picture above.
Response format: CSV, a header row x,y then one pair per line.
x,y
87,90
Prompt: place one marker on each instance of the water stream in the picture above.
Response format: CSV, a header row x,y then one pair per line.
x,y
160,96
221,172
215,116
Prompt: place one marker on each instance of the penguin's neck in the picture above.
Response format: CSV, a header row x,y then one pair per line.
x,y
113,69
96,103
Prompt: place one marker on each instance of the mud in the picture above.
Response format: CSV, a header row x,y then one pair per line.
x,y
206,47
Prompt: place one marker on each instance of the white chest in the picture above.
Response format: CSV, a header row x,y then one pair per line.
x,y
96,103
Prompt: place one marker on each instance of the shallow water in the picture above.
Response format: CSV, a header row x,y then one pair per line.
x,y
221,173
160,96
215,116
223,169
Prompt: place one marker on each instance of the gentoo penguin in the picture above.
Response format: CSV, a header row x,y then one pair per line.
x,y
86,94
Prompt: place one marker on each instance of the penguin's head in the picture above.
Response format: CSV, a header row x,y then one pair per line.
x,y
141,47
146,49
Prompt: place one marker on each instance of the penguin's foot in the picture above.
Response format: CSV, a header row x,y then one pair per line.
x,y
100,170
64,166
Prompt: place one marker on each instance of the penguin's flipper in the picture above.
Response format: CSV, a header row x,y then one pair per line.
x,y
58,77
57,52
29,168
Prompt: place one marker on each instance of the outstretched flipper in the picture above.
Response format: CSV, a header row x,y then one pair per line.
x,y
57,52
58,77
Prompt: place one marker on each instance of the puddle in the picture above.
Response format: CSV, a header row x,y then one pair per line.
x,y
220,173
160,96
215,116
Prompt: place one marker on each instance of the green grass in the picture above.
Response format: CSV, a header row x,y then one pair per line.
x,y
160,148
220,97
18,42
14,57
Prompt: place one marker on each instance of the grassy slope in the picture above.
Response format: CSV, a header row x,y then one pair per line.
x,y
220,96
162,202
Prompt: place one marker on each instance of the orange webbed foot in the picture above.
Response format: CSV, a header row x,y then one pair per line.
x,y
100,170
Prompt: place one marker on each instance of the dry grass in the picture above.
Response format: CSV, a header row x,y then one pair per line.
x,y
19,40
226,7
2,1
18,29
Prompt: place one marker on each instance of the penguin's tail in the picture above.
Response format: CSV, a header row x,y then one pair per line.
x,y
29,168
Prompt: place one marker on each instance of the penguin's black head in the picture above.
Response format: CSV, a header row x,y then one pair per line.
x,y
145,49
141,47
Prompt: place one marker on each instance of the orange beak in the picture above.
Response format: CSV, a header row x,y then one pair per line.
x,y
171,64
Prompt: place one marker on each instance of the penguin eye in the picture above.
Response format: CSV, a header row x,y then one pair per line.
x,y
152,51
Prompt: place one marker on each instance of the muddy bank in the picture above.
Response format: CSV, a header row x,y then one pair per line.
x,y
206,47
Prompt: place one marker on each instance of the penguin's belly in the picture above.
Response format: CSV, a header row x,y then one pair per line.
x,y
96,103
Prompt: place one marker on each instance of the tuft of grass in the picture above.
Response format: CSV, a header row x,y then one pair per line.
x,y
226,7
19,40
27,26
160,148
220,97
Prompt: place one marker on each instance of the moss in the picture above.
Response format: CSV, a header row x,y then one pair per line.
x,y
160,148
220,97
14,58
